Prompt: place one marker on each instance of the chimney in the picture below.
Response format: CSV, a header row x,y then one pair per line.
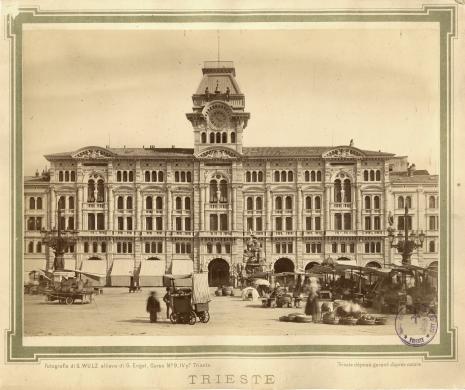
x,y
411,169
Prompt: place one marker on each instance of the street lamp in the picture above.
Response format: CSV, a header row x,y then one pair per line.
x,y
406,243
59,240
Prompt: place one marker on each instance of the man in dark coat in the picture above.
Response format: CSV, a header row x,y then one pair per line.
x,y
167,300
153,306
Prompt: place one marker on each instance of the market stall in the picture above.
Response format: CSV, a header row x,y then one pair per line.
x,y
121,272
151,272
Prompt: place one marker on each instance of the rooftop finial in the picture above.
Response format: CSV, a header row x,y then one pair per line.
x,y
218,41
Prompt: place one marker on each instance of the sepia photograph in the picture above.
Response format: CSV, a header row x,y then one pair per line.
x,y
186,182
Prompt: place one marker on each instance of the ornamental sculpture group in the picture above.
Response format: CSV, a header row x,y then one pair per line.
x,y
253,256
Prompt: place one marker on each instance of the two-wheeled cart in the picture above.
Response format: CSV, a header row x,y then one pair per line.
x,y
69,298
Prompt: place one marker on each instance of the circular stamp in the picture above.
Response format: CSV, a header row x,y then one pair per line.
x,y
418,328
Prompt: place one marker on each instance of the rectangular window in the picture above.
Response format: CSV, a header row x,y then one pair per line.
x,y
377,223
432,223
338,222
288,223
347,221
249,224
367,223
258,224
129,223
317,223
279,223
352,248
318,247
307,248
278,248
308,223
100,221
120,223
224,222
187,224
91,221
148,223
289,247
343,248
178,224
159,223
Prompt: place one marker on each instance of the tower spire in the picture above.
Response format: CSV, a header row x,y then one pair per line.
x,y
218,44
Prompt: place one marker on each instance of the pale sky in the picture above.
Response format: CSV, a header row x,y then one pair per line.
x,y
303,87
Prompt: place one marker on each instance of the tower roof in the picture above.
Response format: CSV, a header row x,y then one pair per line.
x,y
218,76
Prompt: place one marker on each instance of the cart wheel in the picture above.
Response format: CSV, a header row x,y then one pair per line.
x,y
69,300
192,318
173,318
205,317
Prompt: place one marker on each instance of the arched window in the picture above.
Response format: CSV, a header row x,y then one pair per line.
x,y
30,247
376,202
378,175
183,177
60,176
290,176
318,176
159,203
94,247
120,203
337,190
347,191
254,176
213,222
160,177
372,175
260,176
378,247
365,175
249,203
125,176
400,202
151,177
187,203
129,202
308,202
276,176
86,247
218,138
432,246
408,202
233,137
288,203
258,203
248,177
218,247
431,202
147,247
176,176
188,176
213,191
223,191
317,203
224,138
66,175
278,203
212,138
61,202
204,138
118,176
131,176
148,203
334,247
73,176
71,202
71,223
90,191
39,203
209,247
312,176
32,203
307,176
100,191
372,247
39,247
153,247
367,203
178,203
283,176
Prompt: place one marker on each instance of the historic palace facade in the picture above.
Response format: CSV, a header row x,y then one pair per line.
x,y
192,209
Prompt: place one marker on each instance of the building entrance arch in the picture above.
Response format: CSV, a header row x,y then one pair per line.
x,y
218,273
310,265
373,264
283,265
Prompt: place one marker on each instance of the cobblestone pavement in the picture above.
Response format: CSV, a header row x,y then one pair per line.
x,y
118,313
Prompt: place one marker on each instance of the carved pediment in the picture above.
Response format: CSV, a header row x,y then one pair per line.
x,y
343,152
217,154
93,153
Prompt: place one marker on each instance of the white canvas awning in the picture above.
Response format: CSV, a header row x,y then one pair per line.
x,y
122,268
152,268
182,267
34,265
97,267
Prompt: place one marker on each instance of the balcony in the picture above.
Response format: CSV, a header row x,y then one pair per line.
x,y
312,233
217,206
341,205
284,233
182,233
123,233
341,233
95,205
222,233
364,233
153,233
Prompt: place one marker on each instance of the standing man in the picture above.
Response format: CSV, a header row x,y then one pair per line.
x,y
167,300
153,306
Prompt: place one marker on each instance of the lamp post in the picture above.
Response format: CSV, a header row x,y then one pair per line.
x,y
406,243
59,240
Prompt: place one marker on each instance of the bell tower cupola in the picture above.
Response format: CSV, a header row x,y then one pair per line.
x,y
218,116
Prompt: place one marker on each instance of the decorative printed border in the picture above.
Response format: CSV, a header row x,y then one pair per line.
x,y
445,16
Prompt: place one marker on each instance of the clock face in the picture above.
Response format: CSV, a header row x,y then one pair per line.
x,y
218,118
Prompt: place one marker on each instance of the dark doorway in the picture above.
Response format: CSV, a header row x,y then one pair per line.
x,y
309,266
373,264
283,265
218,273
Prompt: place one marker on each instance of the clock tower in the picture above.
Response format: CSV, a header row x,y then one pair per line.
x,y
218,115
